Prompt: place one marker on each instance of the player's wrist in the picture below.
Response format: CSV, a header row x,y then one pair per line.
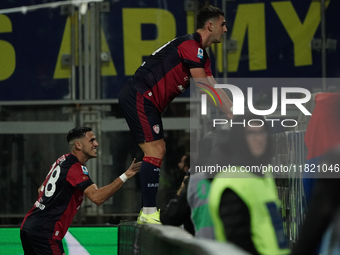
x,y
123,177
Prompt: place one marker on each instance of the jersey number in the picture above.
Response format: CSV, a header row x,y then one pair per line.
x,y
51,184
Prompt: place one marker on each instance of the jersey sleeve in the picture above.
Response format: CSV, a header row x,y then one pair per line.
x,y
78,176
192,54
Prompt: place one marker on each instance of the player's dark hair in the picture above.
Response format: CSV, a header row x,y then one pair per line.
x,y
187,160
77,132
207,13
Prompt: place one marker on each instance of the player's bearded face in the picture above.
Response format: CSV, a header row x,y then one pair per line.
x,y
219,29
90,145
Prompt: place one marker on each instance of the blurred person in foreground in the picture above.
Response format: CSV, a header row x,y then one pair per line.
x,y
184,166
61,195
170,181
164,75
200,182
322,222
243,205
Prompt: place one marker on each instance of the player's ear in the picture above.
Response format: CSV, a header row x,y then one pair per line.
x,y
78,145
210,26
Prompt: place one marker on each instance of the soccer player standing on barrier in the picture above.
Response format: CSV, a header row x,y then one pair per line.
x,y
163,76
61,194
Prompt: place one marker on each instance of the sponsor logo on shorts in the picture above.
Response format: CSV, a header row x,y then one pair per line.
x,y
200,53
156,129
153,185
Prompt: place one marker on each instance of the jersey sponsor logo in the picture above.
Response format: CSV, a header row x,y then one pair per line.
x,y
186,78
180,87
156,129
39,205
200,53
85,171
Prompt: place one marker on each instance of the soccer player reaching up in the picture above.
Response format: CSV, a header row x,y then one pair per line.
x,y
61,194
164,75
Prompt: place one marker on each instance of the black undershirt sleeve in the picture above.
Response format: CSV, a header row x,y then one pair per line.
x,y
178,211
236,221
83,185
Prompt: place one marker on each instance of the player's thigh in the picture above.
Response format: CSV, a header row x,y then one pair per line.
x,y
151,122
38,246
26,244
142,117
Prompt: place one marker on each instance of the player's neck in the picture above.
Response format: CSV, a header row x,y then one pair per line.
x,y
205,37
80,156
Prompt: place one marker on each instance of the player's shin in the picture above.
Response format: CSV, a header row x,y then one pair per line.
x,y
149,175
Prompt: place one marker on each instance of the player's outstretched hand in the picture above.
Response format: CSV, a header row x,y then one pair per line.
x,y
133,169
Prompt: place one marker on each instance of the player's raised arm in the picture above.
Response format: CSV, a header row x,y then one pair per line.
x,y
199,76
100,195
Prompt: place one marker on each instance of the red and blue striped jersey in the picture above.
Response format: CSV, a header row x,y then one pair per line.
x,y
166,72
59,199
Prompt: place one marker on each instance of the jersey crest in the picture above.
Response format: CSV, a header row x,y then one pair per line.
x,y
156,129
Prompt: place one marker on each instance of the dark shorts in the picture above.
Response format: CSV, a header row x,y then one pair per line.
x,y
37,246
142,116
